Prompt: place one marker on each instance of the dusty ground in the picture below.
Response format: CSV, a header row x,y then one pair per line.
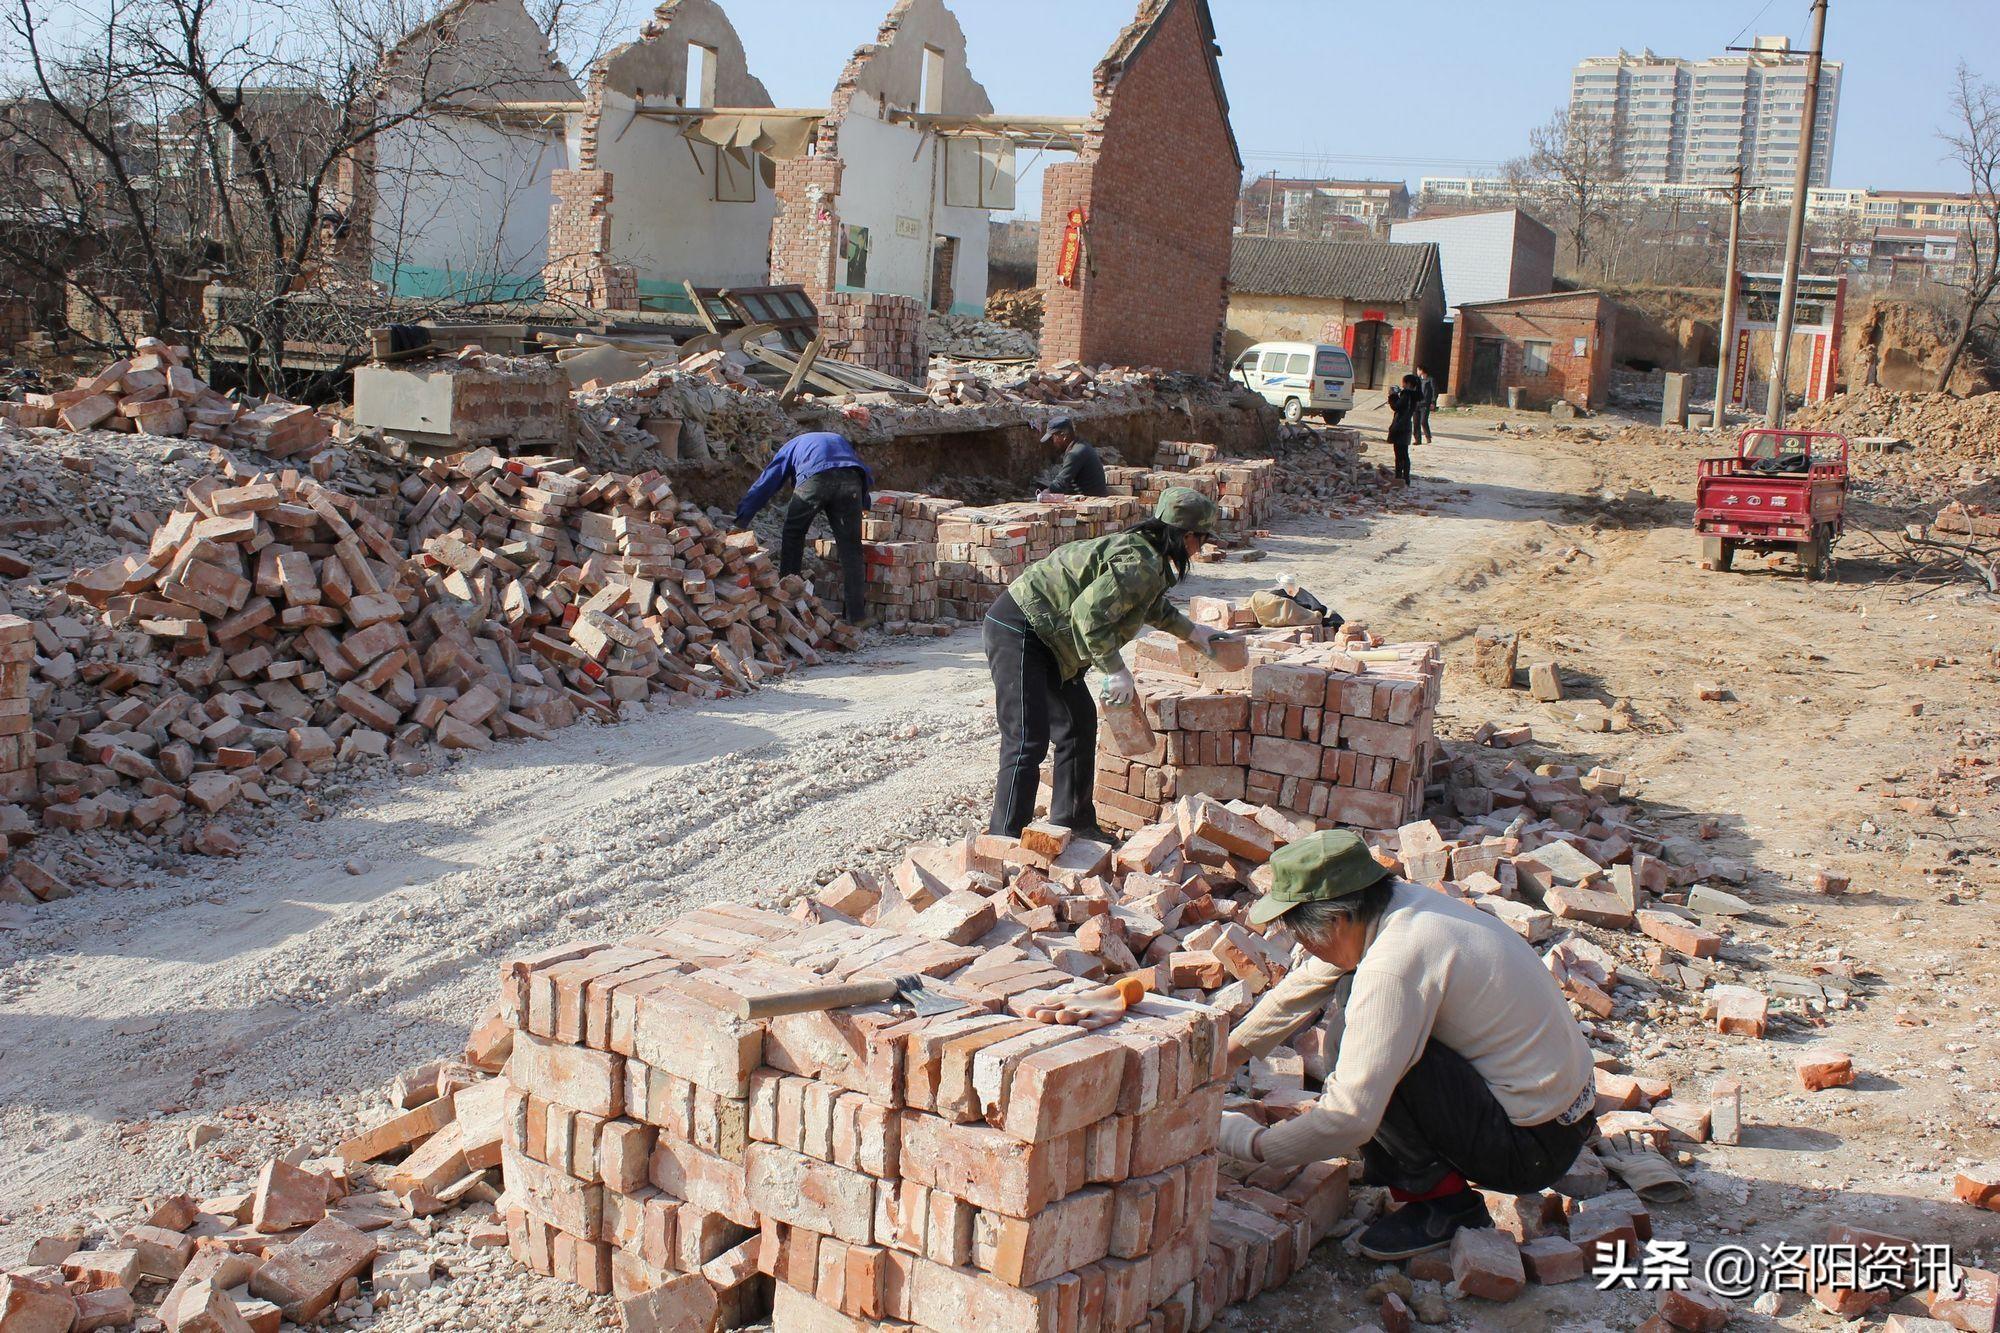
x,y
275,994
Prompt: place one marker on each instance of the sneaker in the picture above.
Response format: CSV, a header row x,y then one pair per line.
x,y
1429,1224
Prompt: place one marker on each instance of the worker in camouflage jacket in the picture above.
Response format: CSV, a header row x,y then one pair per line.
x,y
1075,609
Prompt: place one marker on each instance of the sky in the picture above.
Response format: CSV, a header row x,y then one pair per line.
x,y
1423,87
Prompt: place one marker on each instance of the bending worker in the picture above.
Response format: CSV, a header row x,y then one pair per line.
x,y
1078,608
1458,1063
829,478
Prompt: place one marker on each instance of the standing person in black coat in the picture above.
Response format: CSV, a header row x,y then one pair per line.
x,y
1430,388
1406,403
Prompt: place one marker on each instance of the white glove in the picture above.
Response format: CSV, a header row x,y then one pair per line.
x,y
1119,688
1238,1138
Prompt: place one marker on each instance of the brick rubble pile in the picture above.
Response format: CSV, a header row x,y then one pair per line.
x,y
971,1170
155,392
968,337
277,627
1335,730
292,1247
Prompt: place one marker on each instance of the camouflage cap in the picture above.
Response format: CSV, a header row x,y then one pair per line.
x,y
1317,868
1186,509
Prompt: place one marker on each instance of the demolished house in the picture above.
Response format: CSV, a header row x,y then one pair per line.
x,y
453,204
1136,232
672,169
888,218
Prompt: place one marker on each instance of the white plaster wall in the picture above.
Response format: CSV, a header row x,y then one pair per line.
x,y
664,220
461,204
886,176
1475,252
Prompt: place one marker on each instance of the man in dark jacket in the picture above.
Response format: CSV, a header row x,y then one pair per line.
x,y
827,477
1429,405
1405,402
1082,471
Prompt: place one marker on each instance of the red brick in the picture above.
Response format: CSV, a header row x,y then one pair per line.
x,y
1822,1069
1487,1264
1695,1309
1550,1260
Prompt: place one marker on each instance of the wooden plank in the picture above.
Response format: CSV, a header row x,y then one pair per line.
x,y
804,368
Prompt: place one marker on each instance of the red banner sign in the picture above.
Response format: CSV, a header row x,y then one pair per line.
x,y
1742,377
1071,258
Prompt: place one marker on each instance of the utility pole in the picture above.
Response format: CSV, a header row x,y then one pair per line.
x,y
1725,371
1795,235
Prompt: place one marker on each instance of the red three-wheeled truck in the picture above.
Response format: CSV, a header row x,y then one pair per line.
x,y
1780,490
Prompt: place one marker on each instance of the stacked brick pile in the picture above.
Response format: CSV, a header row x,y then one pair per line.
x,y
981,550
154,392
878,330
970,1170
899,543
930,558
17,739
1331,731
1245,490
283,626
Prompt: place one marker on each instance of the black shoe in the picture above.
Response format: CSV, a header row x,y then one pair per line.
x,y
1090,833
1429,1224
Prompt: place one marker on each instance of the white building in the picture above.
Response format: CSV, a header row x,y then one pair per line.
x,y
1694,122
1487,256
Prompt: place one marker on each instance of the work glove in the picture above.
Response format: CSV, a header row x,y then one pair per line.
x,y
1205,639
1119,688
1239,1136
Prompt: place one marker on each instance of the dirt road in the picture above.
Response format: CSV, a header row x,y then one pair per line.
x,y
276,993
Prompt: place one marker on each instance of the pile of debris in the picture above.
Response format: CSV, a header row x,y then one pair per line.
x,y
1321,471
1016,308
1935,425
688,1132
1326,726
969,338
293,1246
155,392
975,382
277,626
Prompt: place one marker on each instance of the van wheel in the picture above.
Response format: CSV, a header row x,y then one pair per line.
x,y
1294,411
1332,418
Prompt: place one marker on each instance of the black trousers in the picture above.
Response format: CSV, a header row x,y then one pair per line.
x,y
1422,430
841,494
1402,448
1037,706
1444,1118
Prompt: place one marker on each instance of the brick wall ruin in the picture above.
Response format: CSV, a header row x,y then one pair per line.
x,y
1158,187
580,269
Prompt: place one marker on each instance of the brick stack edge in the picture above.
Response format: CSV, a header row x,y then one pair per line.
x,y
1327,730
970,1172
17,732
930,558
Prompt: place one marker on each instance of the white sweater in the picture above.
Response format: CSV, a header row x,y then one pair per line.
x,y
1434,967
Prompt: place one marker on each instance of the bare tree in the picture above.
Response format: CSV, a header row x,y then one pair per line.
x,y
232,146
1573,165
1974,139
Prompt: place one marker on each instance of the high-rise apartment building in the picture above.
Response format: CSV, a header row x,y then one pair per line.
x,y
1695,121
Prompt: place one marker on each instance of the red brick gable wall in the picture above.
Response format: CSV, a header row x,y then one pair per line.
x,y
1161,195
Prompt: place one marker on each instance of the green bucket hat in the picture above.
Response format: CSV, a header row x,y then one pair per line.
x,y
1323,866
1186,509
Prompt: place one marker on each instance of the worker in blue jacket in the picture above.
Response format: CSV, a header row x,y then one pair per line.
x,y
827,477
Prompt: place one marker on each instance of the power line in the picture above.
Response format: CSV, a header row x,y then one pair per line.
x,y
1748,26
1368,159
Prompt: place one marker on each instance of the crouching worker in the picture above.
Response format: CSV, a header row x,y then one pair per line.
x,y
1458,1063
1078,608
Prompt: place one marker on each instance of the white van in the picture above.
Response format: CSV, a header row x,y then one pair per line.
x,y
1300,378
